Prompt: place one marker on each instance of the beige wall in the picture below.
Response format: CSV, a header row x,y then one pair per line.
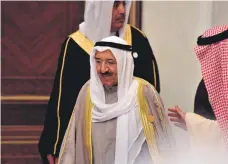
x,y
172,29
220,13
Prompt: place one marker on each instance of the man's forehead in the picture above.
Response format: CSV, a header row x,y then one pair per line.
x,y
107,54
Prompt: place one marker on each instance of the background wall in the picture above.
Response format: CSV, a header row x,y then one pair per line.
x,y
220,13
172,29
31,37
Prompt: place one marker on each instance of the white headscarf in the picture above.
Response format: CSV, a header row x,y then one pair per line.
x,y
129,133
97,19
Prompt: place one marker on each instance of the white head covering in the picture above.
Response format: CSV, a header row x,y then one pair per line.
x,y
129,137
97,19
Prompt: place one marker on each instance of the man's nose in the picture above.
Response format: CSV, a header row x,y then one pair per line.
x,y
104,68
121,8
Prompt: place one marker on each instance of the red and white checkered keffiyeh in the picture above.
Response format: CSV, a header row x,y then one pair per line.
x,y
214,65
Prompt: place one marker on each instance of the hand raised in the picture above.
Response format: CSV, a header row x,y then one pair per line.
x,y
178,116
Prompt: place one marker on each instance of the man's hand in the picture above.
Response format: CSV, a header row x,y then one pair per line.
x,y
52,159
178,116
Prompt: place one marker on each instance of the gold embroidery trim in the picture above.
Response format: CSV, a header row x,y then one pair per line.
x,y
139,30
88,125
82,41
158,103
60,92
159,108
66,137
87,45
147,126
127,35
155,79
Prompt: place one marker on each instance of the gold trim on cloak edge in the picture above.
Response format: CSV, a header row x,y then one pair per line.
x,y
88,126
59,96
66,136
87,45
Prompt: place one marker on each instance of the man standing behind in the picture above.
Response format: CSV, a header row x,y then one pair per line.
x,y
118,118
101,19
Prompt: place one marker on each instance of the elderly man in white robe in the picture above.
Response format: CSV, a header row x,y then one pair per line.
x,y
101,19
118,118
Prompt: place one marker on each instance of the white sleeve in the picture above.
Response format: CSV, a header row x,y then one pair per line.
x,y
205,137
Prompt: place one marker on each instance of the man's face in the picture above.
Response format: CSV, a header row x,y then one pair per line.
x,y
106,66
118,15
